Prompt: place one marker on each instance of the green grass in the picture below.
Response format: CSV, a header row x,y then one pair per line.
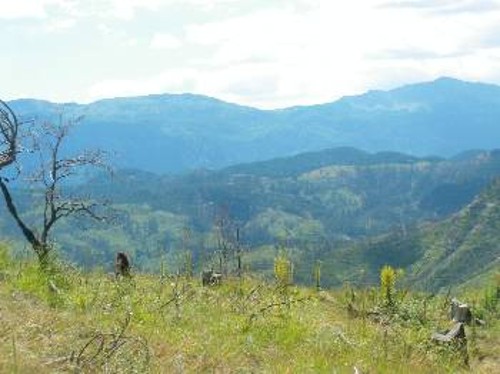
x,y
63,320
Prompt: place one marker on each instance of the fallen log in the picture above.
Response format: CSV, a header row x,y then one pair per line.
x,y
456,338
457,332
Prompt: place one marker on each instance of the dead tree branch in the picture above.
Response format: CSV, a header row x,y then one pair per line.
x,y
54,175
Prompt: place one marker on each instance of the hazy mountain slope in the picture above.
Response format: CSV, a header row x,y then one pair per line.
x,y
165,133
159,132
439,117
460,249
308,161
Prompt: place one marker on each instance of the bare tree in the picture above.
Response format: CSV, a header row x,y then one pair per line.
x,y
8,135
51,178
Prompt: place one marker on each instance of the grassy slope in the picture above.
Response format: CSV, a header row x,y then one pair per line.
x,y
164,324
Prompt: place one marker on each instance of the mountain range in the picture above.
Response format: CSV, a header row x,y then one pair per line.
x,y
176,133
403,177
352,210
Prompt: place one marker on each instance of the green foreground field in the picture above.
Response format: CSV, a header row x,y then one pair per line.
x,y
63,320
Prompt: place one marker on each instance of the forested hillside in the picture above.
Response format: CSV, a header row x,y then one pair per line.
x,y
463,247
315,206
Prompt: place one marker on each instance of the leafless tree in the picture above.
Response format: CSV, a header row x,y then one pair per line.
x,y
52,177
9,126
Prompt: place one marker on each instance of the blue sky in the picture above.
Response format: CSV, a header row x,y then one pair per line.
x,y
263,53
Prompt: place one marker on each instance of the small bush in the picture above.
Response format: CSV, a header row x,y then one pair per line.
x,y
388,284
283,270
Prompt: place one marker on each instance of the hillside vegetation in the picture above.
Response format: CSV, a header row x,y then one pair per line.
x,y
335,206
63,320
464,246
436,256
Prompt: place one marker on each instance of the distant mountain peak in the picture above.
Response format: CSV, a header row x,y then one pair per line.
x,y
447,79
452,83
179,132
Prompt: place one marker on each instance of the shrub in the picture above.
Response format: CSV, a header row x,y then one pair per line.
x,y
387,284
283,269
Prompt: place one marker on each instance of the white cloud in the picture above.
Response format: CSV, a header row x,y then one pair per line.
x,y
22,9
312,56
59,25
132,42
267,54
172,81
337,48
445,6
126,9
36,9
165,41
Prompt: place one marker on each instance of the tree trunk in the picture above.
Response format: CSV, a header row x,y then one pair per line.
x,y
41,249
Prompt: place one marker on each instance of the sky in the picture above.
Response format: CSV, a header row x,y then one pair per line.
x,y
262,53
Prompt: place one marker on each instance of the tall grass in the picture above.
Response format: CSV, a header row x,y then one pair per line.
x,y
66,320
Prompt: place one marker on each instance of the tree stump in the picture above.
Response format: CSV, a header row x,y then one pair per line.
x,y
460,312
210,278
122,265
